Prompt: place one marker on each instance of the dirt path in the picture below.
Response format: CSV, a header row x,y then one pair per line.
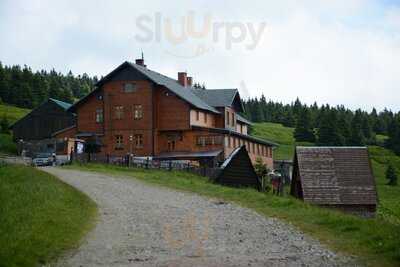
x,y
143,225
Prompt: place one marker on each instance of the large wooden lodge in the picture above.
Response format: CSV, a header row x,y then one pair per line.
x,y
134,110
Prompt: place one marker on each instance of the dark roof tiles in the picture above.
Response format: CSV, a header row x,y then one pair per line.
x,y
336,175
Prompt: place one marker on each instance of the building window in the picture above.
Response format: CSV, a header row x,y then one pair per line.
x,y
99,115
119,112
197,115
233,119
209,140
139,140
119,142
227,118
229,141
205,117
137,112
129,87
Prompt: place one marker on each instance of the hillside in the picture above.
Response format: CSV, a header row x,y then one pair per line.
x,y
279,134
12,114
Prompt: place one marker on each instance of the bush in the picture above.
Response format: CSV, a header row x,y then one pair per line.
x,y
391,175
4,125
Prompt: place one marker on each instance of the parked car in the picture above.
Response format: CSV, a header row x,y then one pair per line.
x,y
42,159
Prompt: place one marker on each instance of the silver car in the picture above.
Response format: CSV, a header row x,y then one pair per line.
x,y
42,159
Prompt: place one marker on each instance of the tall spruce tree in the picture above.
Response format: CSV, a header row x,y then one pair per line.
x,y
357,137
304,131
393,142
328,134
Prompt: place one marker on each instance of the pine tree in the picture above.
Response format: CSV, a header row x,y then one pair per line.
x,y
367,130
393,142
303,131
343,127
328,134
357,137
391,175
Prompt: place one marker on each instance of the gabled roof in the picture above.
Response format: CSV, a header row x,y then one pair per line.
x,y
216,97
220,97
335,175
62,104
173,85
237,170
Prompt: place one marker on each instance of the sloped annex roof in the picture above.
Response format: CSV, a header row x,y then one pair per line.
x,y
243,119
172,84
335,175
236,134
220,97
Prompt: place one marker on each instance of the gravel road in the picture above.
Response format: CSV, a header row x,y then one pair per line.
x,y
143,225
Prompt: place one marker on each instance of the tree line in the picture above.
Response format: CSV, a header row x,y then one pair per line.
x,y
324,125
22,87
328,125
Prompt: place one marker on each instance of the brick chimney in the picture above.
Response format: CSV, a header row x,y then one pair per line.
x,y
182,79
189,81
140,61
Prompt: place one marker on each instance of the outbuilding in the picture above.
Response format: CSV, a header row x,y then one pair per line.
x,y
42,122
237,170
336,177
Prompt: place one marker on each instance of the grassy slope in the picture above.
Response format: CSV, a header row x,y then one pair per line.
x,y
279,134
376,241
40,216
13,114
389,196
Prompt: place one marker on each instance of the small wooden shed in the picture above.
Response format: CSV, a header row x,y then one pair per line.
x,y
237,170
337,177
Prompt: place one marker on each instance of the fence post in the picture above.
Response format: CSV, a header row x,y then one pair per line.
x,y
170,166
147,162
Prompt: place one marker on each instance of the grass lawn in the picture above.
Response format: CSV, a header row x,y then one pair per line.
x,y
40,216
12,113
375,241
279,134
389,196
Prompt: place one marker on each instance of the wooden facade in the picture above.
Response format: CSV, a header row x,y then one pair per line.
x,y
238,170
137,111
337,177
50,117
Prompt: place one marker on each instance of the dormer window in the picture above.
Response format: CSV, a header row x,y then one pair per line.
x,y
129,87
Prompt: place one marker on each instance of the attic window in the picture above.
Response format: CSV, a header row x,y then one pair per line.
x,y
129,87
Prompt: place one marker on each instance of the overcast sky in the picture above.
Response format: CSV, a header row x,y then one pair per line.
x,y
338,52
